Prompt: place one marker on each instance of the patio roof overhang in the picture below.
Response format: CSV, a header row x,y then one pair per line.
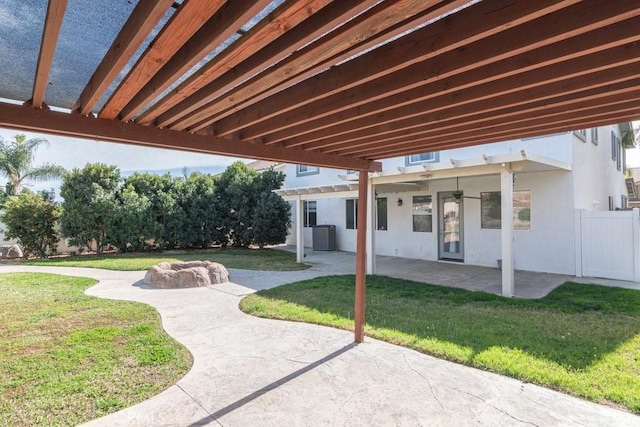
x,y
413,178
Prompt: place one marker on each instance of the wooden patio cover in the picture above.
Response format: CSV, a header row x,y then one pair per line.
x,y
327,83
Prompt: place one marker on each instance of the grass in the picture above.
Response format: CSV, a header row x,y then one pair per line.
x,y
246,259
66,358
580,339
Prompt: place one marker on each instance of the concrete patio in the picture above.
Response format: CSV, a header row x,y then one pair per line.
x,y
475,278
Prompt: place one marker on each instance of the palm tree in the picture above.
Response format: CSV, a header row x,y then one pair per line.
x,y
16,158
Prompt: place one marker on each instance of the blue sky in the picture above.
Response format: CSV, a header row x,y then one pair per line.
x,y
75,153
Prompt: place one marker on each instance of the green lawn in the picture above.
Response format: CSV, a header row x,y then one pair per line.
x,y
246,259
581,339
66,358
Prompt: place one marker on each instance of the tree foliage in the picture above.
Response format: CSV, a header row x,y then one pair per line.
x,y
89,204
194,222
31,219
131,227
247,209
16,162
160,192
234,202
161,212
271,215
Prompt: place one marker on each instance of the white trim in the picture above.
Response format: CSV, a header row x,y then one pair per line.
x,y
371,229
506,187
299,231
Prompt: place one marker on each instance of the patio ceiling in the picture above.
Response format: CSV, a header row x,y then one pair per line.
x,y
328,83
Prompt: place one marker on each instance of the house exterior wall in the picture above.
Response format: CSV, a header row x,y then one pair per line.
x,y
596,176
548,245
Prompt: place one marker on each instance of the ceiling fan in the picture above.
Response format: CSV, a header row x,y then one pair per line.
x,y
458,195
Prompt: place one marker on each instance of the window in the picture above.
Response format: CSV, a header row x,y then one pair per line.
x,y
310,213
624,202
614,150
491,210
415,159
619,153
422,214
381,213
302,170
352,214
594,136
581,133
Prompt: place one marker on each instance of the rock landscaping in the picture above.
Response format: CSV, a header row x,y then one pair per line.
x,y
190,274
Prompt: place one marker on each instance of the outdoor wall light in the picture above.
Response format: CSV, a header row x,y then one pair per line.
x,y
399,202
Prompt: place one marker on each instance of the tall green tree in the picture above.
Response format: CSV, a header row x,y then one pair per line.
x,y
271,214
160,192
89,204
234,200
16,162
195,222
31,219
131,226
247,211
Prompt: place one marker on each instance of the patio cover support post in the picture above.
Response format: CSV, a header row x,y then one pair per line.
x,y
299,230
506,187
361,243
371,244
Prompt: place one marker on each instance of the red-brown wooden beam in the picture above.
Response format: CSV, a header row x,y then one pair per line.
x,y
373,26
471,26
619,94
251,54
226,21
286,50
613,93
141,22
50,34
75,125
486,83
604,119
461,109
496,132
540,131
499,55
184,23
361,257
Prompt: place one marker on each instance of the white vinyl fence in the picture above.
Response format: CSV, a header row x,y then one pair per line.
x,y
608,244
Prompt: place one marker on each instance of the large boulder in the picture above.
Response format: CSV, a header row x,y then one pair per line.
x,y
190,274
10,252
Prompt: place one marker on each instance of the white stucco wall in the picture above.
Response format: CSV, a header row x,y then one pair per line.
x,y
595,174
555,195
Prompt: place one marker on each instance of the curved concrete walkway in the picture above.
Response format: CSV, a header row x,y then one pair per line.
x,y
251,371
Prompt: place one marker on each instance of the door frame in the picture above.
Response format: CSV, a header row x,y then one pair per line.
x,y
442,254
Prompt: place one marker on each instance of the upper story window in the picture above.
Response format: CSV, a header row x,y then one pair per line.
x,y
616,150
415,159
581,133
594,136
302,170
